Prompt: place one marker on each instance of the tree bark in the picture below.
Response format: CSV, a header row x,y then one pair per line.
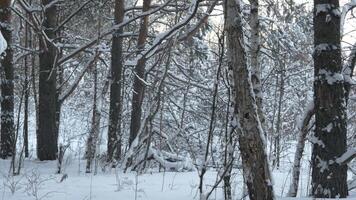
x,y
277,148
114,131
329,179
255,49
7,83
47,137
139,85
254,159
304,130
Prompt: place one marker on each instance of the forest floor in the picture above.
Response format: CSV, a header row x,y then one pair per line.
x,y
38,181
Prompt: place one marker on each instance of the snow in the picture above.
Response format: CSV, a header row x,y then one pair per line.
x,y
346,156
39,178
315,140
326,8
345,9
3,44
328,128
330,77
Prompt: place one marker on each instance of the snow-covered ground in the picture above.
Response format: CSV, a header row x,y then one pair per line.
x,y
39,181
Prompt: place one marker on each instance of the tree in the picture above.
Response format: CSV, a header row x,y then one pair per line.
x,y
139,85
114,131
47,135
245,115
329,178
7,83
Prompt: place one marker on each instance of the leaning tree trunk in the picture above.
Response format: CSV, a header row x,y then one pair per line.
x,y
255,49
7,83
47,137
302,134
329,178
114,131
139,85
254,159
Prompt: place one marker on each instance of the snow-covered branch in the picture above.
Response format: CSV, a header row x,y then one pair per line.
x,y
71,89
347,8
110,31
163,36
347,156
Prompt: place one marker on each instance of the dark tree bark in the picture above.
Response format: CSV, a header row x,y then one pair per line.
x,y
329,178
114,132
139,85
7,83
47,137
27,84
254,159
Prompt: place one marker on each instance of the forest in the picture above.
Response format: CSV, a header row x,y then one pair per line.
x,y
177,99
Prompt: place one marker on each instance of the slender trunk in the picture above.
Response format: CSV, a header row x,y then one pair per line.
x,y
7,83
254,158
95,126
47,138
26,95
139,85
304,129
255,49
329,178
277,149
114,131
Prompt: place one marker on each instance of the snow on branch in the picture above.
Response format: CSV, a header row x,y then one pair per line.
x,y
110,31
71,89
3,44
171,161
164,36
350,65
346,8
191,31
347,156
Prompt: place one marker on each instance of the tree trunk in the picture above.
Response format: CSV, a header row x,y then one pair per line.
x,y
27,84
7,83
114,132
304,129
139,85
329,179
95,125
277,148
254,159
47,137
255,49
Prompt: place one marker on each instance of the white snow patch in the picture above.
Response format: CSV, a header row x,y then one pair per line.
x,y
3,44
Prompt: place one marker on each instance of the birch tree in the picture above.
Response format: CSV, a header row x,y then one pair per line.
x,y
245,115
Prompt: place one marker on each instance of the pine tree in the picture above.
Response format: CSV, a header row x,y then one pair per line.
x,y
47,135
7,83
114,131
329,178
